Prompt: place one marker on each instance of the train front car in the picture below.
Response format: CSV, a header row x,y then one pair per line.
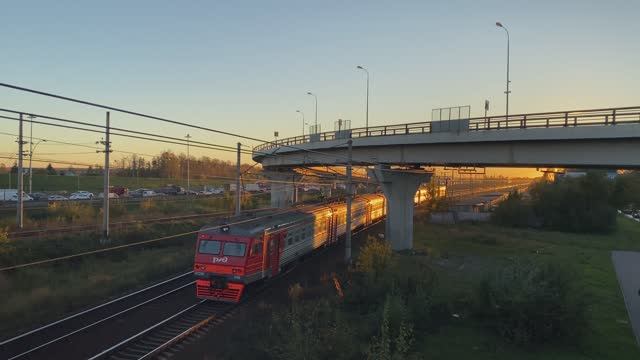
x,y
226,259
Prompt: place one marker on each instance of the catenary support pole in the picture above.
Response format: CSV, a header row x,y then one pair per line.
x,y
238,190
20,203
347,237
105,191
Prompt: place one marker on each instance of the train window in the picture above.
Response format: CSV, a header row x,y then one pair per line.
x,y
289,240
234,249
209,247
257,249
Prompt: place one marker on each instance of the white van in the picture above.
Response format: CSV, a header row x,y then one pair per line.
x,y
12,195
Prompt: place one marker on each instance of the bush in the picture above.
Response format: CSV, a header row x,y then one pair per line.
x,y
513,211
532,304
311,330
375,256
579,205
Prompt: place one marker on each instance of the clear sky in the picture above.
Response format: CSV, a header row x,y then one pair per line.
x,y
245,66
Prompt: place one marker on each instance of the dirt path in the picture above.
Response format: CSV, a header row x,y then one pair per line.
x,y
627,265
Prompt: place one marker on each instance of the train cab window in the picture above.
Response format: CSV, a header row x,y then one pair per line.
x,y
209,247
234,249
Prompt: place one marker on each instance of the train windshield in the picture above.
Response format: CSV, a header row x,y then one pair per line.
x,y
234,249
209,247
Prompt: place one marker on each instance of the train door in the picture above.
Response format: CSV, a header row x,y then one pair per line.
x,y
330,232
273,254
368,213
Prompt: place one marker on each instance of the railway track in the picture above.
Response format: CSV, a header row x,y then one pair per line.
x,y
85,333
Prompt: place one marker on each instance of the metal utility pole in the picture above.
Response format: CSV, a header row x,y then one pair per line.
x,y
498,24
347,237
367,114
105,191
188,166
31,148
20,204
238,194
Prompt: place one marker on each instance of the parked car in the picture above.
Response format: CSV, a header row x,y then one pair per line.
x,y
81,195
119,190
56,197
137,193
192,193
25,197
172,190
111,195
149,193
39,196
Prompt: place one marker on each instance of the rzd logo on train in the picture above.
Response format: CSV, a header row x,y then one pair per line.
x,y
222,260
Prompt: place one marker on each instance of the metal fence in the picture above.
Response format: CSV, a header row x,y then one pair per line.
x,y
576,118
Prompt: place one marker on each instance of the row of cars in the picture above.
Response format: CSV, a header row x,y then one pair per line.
x,y
633,213
115,192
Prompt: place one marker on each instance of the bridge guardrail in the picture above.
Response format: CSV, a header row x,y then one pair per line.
x,y
575,118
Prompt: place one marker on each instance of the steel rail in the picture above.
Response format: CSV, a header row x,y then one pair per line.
x,y
100,321
136,336
7,341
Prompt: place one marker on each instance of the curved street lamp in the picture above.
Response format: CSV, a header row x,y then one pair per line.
x,y
316,98
303,122
499,24
33,148
367,113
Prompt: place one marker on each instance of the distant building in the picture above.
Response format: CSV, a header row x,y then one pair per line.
x,y
575,173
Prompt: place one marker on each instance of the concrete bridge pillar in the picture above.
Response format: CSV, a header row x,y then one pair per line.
x,y
399,187
283,188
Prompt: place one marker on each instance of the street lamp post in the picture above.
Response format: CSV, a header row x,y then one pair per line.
x,y
301,113
33,148
316,98
367,113
507,92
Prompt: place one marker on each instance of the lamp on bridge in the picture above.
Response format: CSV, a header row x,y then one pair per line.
x,y
367,112
316,98
303,122
499,24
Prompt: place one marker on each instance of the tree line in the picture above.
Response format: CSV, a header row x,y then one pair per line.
x,y
166,165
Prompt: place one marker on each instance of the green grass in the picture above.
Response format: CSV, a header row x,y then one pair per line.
x,y
461,254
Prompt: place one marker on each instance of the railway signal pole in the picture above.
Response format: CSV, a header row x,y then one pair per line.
x,y
105,192
20,203
238,194
347,237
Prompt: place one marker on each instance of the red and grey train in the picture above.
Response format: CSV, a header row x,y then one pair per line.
x,y
229,257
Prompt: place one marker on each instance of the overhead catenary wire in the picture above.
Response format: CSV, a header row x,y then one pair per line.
x,y
175,122
209,147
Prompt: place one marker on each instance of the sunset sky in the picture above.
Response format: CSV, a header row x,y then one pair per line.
x,y
245,66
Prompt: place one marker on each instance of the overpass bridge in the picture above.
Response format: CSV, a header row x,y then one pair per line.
x,y
606,138
596,138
